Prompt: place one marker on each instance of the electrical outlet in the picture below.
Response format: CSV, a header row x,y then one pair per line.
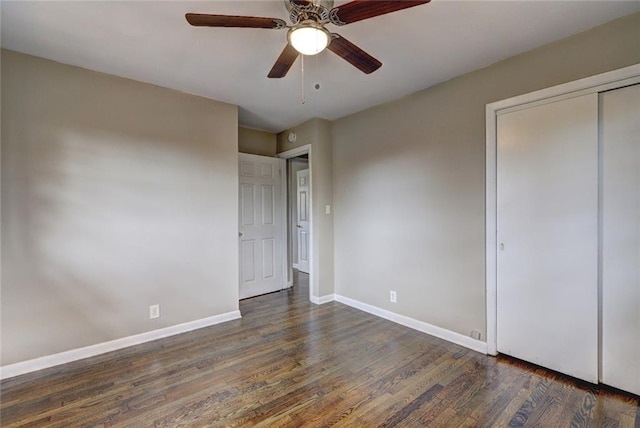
x,y
393,298
154,311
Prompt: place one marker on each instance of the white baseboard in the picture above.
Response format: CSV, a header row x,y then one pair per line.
x,y
439,332
322,299
40,363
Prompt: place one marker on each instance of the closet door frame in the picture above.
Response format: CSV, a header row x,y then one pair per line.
x,y
598,83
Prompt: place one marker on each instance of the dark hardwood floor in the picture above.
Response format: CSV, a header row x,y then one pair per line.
x,y
288,362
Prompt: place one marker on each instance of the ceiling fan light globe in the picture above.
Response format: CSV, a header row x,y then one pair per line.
x,y
309,40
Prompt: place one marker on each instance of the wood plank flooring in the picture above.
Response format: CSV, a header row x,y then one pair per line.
x,y
289,363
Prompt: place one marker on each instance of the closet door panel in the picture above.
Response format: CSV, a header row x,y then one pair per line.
x,y
620,140
548,235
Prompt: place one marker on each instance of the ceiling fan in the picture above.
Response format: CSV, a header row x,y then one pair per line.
x,y
307,35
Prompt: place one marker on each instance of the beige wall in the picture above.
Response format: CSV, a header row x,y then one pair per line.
x,y
317,133
409,180
256,142
115,195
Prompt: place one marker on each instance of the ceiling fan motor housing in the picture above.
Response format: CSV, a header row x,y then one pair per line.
x,y
304,10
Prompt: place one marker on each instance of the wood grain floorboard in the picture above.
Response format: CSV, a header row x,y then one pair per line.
x,y
290,363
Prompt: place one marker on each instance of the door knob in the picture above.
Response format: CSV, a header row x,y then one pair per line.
x,y
298,226
240,234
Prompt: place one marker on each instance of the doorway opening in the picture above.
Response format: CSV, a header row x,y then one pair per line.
x,y
299,209
298,212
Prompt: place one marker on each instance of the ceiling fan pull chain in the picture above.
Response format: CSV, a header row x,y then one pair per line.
x,y
302,100
315,71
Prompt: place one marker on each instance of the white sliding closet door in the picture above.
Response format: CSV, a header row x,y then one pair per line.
x,y
620,139
547,178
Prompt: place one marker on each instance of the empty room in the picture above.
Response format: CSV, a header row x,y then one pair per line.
x,y
310,213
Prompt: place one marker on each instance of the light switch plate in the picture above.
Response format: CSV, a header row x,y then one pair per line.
x,y
154,311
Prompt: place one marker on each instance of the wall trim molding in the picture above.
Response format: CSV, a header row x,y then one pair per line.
x,y
323,299
600,82
430,329
64,357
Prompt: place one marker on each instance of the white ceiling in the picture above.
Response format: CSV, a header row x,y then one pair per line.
x,y
150,41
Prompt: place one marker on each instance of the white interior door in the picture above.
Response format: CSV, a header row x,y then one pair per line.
x,y
547,290
620,139
260,224
302,224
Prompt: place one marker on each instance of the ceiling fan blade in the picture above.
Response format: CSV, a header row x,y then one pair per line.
x,y
205,20
353,54
358,10
284,62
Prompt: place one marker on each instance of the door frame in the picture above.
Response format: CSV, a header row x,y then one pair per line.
x,y
289,154
601,82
